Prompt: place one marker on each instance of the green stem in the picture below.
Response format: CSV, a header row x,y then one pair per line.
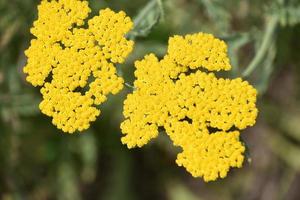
x,y
130,86
266,43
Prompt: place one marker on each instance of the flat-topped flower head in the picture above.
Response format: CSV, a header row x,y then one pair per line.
x,y
201,113
74,62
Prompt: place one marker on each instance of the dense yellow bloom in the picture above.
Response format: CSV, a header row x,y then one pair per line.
x,y
197,110
76,57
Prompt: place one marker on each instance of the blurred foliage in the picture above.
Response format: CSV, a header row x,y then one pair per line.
x,y
37,161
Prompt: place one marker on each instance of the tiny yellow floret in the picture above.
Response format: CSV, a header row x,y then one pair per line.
x,y
201,113
74,62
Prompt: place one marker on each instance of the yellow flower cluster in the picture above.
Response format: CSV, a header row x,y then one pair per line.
x,y
73,64
197,110
199,50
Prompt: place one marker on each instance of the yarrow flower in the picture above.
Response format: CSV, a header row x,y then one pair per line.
x,y
74,61
200,113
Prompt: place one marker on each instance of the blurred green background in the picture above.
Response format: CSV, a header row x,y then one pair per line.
x,y
37,161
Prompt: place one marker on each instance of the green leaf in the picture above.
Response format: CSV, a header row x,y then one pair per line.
x,y
217,13
290,124
292,15
88,152
235,42
266,71
147,18
268,38
285,150
288,12
67,182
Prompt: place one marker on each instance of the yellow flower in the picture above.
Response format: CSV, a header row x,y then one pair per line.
x,y
74,61
201,113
